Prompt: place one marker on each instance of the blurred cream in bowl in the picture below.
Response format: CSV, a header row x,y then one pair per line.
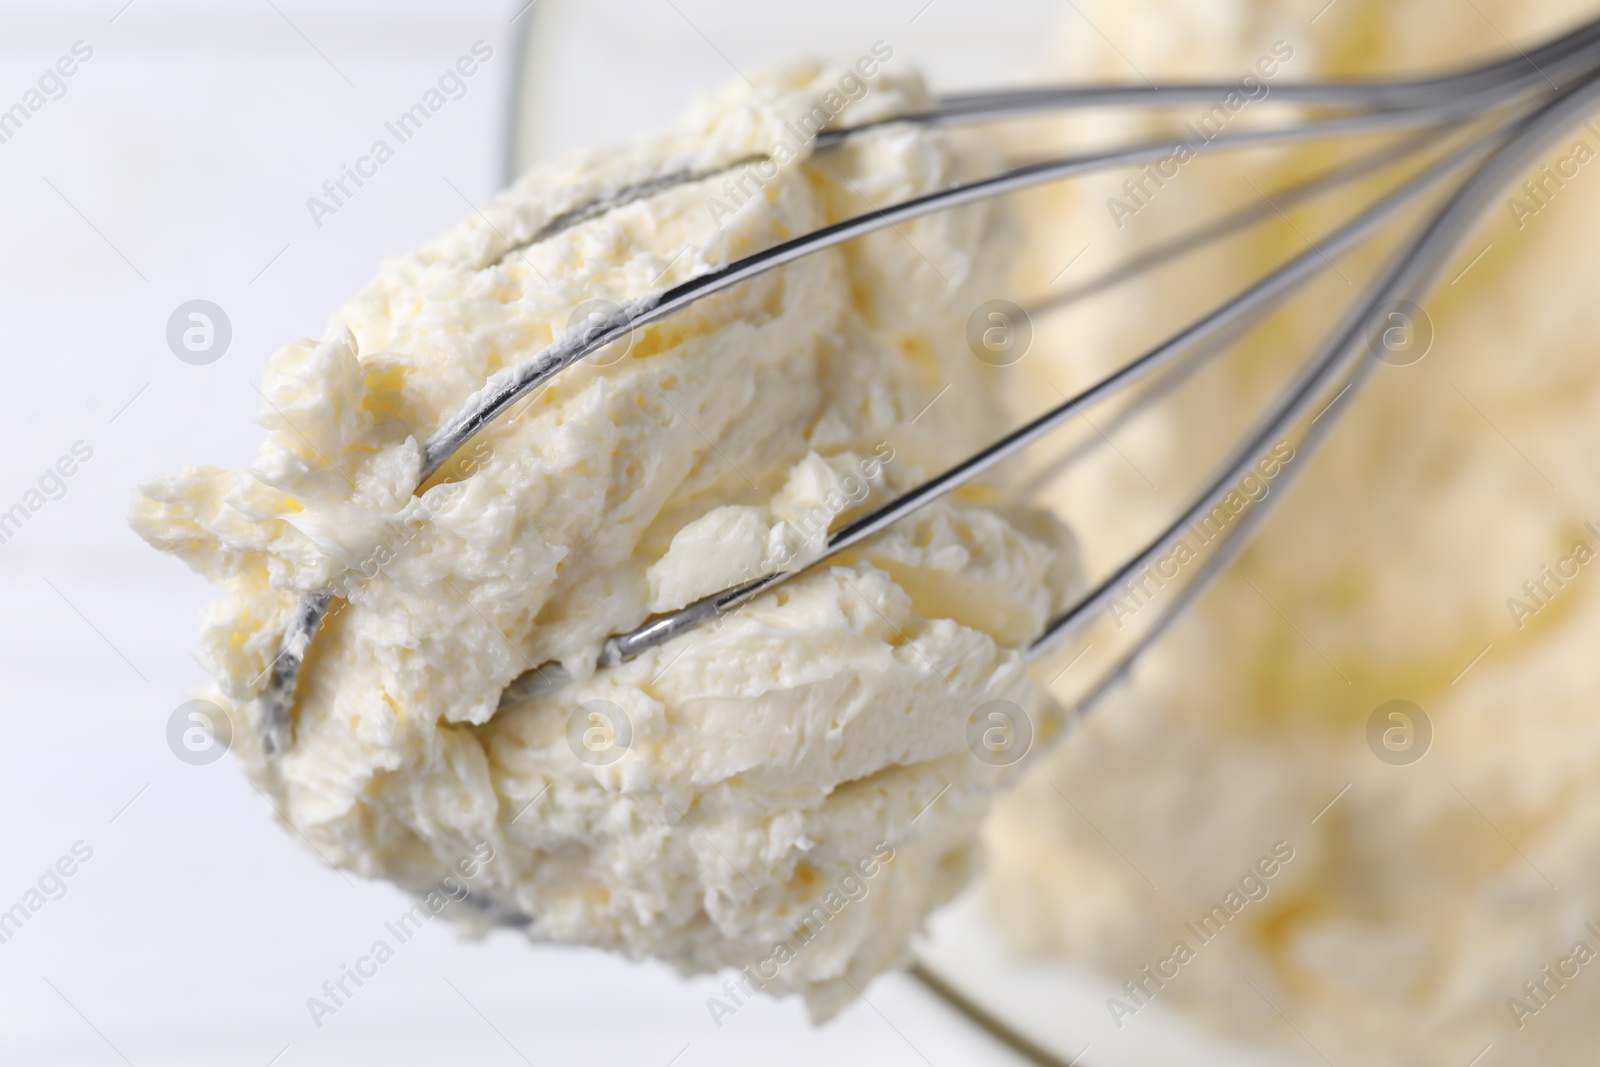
x,y
1392,695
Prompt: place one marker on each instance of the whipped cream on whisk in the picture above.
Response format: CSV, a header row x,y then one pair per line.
x,y
788,792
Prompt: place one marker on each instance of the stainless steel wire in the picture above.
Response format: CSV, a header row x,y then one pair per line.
x,y
1521,98
1335,376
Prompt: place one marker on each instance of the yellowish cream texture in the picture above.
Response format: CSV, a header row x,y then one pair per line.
x,y
1420,910
789,791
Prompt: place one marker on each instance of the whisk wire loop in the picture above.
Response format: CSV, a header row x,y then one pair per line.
x,y
1526,87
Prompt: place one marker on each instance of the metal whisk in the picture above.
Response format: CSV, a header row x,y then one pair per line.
x,y
1495,120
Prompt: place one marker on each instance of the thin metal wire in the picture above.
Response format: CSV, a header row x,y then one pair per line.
x,y
1173,250
1413,269
1546,63
987,1020
1410,274
1259,210
1410,105
512,384
1271,288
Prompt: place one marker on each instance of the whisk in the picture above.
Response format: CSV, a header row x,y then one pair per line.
x,y
1502,115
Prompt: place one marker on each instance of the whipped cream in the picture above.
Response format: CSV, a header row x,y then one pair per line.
x,y
789,791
